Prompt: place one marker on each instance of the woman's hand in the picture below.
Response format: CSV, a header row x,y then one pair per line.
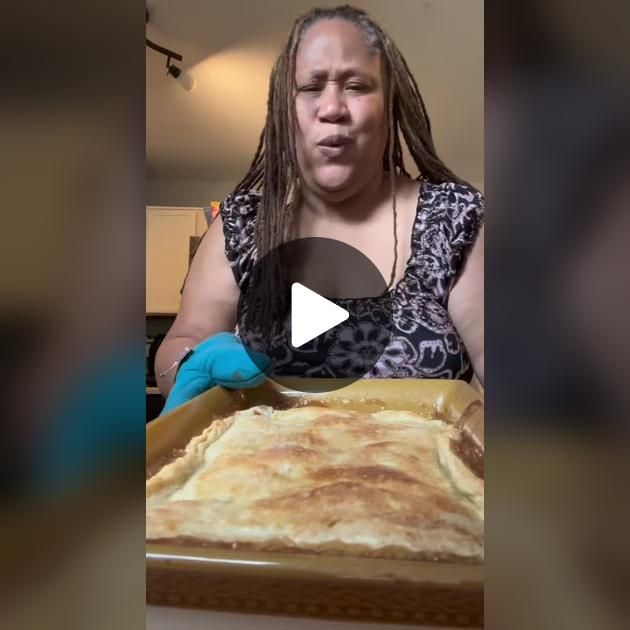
x,y
219,360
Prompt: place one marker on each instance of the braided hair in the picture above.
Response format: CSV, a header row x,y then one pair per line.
x,y
274,169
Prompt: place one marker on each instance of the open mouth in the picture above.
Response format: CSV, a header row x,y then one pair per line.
x,y
334,141
333,146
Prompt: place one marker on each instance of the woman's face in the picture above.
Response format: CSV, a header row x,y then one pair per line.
x,y
340,107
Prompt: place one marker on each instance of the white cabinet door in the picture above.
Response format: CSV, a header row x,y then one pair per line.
x,y
168,245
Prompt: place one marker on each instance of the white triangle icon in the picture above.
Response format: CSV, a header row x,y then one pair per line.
x,y
312,315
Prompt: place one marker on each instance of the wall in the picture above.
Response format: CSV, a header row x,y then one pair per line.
x,y
160,192
230,52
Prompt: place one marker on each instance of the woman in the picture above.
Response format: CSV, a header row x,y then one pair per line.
x,y
329,164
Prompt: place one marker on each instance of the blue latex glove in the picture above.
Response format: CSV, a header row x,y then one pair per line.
x,y
219,360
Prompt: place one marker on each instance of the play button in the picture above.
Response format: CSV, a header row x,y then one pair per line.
x,y
321,311
312,315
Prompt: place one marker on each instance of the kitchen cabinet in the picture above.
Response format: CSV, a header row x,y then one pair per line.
x,y
202,224
167,254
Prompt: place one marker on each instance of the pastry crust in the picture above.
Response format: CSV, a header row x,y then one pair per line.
x,y
319,480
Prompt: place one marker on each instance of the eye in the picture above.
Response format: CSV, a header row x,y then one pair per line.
x,y
312,87
357,87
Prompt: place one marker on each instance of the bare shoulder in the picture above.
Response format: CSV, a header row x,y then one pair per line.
x,y
407,188
466,304
469,282
407,197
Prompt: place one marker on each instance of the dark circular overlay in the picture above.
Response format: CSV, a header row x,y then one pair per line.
x,y
338,272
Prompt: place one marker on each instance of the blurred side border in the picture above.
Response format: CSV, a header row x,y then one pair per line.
x,y
72,314
557,153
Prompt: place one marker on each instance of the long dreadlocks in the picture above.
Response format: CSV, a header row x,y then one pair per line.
x,y
274,169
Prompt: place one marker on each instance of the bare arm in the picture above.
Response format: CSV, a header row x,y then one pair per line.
x,y
465,306
208,305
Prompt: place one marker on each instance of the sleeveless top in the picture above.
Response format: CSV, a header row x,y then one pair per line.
x,y
424,342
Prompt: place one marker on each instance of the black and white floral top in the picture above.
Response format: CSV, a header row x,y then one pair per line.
x,y
424,342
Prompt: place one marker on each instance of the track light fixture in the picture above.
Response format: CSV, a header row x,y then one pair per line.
x,y
183,78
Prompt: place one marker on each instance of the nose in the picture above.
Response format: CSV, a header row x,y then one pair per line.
x,y
332,104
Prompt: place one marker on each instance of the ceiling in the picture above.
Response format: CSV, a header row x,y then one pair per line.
x,y
229,47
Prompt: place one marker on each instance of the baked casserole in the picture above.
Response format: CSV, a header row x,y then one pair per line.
x,y
388,484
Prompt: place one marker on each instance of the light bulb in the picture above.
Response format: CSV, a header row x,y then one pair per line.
x,y
183,78
186,81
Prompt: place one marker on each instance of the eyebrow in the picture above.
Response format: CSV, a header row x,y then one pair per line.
x,y
351,71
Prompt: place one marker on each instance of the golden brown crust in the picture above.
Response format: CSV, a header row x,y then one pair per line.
x,y
171,475
386,484
469,452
